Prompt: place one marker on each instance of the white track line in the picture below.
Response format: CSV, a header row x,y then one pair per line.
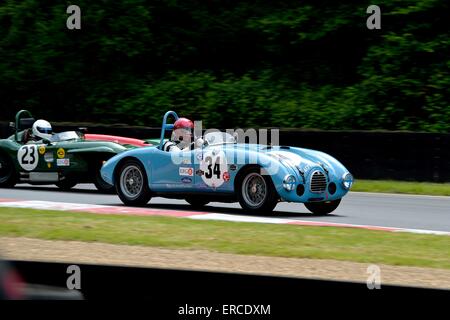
x,y
393,195
103,209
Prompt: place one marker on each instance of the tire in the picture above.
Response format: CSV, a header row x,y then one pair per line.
x,y
8,175
322,208
196,202
255,192
102,185
66,184
132,184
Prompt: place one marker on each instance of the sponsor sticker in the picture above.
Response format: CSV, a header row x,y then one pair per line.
x,y
186,180
41,150
186,171
63,162
199,172
48,157
61,153
233,167
226,176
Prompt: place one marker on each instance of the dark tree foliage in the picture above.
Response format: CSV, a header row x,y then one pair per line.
x,y
309,64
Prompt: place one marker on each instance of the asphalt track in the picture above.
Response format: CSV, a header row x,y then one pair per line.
x,y
376,209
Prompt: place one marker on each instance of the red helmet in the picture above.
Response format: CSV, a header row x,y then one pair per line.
x,y
183,123
182,131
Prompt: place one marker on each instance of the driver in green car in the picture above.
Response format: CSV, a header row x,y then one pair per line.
x,y
40,130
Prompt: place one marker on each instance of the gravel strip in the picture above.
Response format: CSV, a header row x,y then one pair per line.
x,y
141,256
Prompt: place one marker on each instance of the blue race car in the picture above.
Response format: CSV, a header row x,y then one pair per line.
x,y
217,168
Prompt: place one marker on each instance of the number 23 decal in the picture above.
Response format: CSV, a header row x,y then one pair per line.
x,y
28,157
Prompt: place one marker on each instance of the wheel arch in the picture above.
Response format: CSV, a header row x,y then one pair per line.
x,y
12,163
245,168
122,161
8,152
8,156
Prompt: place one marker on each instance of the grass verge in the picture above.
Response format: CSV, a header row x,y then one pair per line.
x,y
231,237
388,186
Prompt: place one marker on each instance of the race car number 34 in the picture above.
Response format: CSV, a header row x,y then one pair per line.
x,y
215,168
28,157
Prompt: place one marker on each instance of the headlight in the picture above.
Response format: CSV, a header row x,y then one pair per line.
x,y
347,180
289,182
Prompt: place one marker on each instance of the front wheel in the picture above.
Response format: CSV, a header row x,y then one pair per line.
x,y
322,208
256,193
8,177
132,184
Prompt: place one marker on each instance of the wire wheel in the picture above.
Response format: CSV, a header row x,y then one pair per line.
x,y
131,182
254,190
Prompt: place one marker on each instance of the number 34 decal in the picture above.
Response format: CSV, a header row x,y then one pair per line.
x,y
215,169
28,157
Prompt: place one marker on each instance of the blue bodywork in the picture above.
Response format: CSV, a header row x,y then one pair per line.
x,y
185,171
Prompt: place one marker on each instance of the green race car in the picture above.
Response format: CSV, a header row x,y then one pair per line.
x,y
64,159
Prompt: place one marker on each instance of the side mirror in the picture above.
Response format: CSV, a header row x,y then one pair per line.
x,y
199,143
83,130
12,125
46,141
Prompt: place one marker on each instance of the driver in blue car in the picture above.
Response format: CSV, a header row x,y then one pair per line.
x,y
182,134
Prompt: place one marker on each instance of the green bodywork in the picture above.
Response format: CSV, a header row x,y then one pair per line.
x,y
76,159
75,150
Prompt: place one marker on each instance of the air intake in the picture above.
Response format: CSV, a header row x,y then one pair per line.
x,y
318,182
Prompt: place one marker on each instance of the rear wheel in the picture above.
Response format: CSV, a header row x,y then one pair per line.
x,y
66,184
101,184
322,208
132,184
256,193
8,176
196,202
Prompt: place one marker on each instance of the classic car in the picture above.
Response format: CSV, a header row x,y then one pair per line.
x,y
65,159
218,168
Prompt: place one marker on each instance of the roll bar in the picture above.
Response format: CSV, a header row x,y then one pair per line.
x,y
165,126
19,115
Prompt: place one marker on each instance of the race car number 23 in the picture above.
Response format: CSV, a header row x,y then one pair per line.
x,y
28,157
214,166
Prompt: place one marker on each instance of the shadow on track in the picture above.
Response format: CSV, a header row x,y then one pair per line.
x,y
181,207
53,189
232,211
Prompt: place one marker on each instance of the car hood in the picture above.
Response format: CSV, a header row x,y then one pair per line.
x,y
301,158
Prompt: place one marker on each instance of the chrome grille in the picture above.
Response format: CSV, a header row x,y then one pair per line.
x,y
318,182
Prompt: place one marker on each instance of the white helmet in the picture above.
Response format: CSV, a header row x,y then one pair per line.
x,y
42,129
